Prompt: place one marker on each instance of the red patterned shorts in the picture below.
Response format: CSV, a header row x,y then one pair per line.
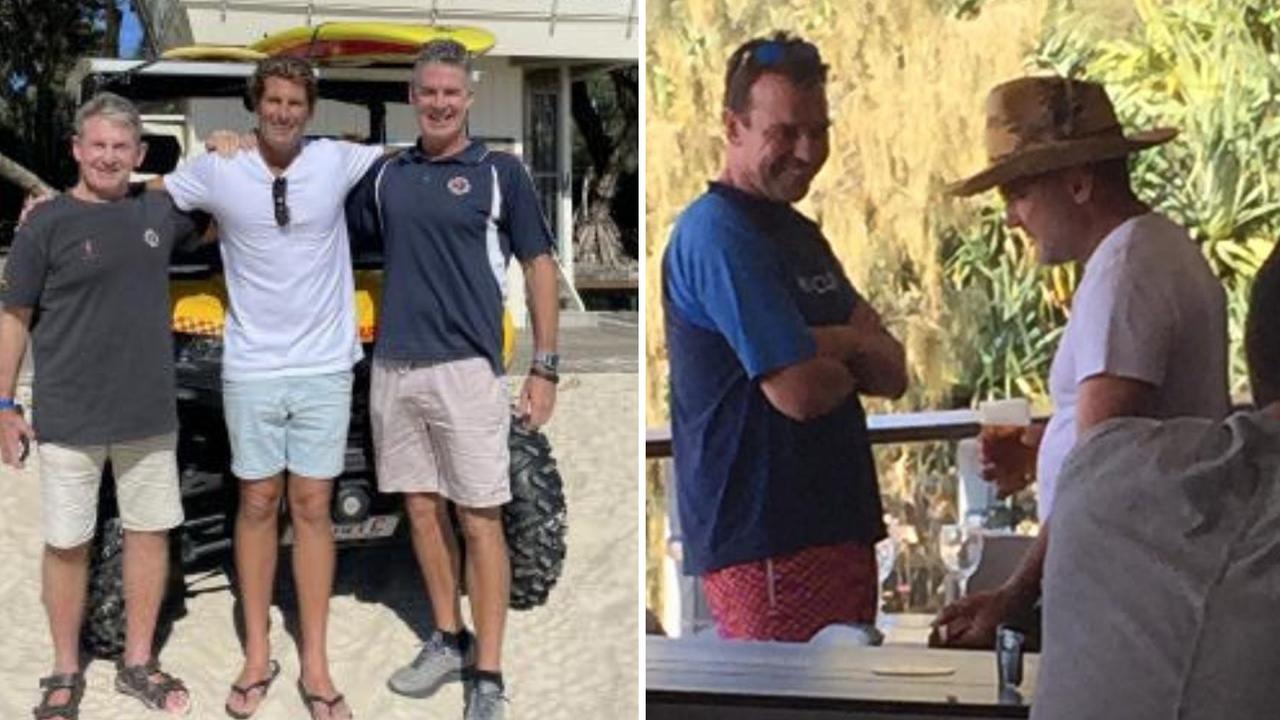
x,y
790,598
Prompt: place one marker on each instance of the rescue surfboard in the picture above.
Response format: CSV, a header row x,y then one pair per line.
x,y
224,53
368,43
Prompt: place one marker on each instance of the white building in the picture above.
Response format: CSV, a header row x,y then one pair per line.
x,y
523,90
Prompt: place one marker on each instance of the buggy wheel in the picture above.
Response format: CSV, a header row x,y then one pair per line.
x,y
535,520
102,634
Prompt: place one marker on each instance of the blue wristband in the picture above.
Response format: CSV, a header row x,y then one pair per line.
x,y
9,404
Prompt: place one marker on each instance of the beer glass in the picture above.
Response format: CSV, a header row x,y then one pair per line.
x,y
1002,423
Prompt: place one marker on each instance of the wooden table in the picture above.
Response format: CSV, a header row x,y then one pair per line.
x,y
706,679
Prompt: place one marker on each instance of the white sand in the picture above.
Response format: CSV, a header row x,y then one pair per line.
x,y
574,658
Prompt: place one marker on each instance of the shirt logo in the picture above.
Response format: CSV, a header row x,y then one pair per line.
x,y
151,238
459,185
86,251
817,284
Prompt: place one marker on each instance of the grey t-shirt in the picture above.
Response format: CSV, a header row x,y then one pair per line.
x,y
96,275
1162,580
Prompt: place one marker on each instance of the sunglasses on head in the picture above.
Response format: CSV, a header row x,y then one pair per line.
x,y
279,198
774,52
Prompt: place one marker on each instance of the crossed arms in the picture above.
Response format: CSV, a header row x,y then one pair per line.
x,y
858,356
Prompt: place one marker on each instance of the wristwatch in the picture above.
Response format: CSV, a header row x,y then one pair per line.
x,y
547,360
546,366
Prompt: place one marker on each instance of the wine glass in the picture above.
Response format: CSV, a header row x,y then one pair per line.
x,y
960,546
886,556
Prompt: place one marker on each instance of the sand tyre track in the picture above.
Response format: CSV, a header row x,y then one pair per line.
x,y
102,634
535,520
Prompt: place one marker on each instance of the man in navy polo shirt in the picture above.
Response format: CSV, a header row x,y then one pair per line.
x,y
770,346
451,213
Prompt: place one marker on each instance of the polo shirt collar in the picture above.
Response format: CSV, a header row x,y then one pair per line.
x,y
472,154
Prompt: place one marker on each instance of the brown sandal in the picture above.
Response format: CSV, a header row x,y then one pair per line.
x,y
243,691
69,710
311,701
135,681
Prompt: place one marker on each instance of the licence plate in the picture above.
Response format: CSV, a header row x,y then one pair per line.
x,y
371,528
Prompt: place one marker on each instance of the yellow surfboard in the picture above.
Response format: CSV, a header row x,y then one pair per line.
x,y
217,53
368,43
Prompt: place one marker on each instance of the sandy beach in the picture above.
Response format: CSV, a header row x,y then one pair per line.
x,y
576,657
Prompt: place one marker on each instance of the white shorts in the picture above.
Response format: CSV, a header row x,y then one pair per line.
x,y
442,428
146,477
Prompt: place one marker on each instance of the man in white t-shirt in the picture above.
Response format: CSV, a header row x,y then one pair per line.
x,y
1147,331
1160,586
289,347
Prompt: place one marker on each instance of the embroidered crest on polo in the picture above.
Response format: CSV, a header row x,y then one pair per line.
x,y
151,238
459,185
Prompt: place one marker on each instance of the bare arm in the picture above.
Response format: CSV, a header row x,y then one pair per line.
x,y
808,389
1103,397
878,360
874,356
971,621
14,322
544,301
538,396
1025,582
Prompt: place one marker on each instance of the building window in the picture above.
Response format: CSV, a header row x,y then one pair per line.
x,y
542,151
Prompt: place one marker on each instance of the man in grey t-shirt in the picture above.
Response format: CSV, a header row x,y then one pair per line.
x,y
1161,584
88,275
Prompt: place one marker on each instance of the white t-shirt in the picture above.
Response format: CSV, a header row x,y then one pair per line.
x,y
1148,308
291,290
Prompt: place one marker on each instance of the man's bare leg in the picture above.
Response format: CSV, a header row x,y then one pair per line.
x,y
437,552
256,540
488,581
64,583
146,568
313,563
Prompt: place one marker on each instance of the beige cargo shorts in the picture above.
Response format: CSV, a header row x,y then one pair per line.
x,y
442,428
146,477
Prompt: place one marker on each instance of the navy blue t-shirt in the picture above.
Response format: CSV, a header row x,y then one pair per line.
x,y
743,280
448,227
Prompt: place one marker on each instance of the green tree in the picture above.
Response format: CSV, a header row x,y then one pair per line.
x,y
1210,69
45,38
605,108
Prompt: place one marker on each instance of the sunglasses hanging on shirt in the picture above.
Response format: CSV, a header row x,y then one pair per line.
x,y
280,199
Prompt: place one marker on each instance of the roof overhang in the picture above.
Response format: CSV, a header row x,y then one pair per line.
x,y
590,29
144,81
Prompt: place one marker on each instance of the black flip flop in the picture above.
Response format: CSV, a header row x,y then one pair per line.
x,y
243,691
311,700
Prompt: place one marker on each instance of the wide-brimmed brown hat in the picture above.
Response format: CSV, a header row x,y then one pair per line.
x,y
1038,124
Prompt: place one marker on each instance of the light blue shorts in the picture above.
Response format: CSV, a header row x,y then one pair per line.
x,y
294,423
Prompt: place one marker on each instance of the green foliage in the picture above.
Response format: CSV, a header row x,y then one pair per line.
x,y
43,40
1001,297
1211,70
978,315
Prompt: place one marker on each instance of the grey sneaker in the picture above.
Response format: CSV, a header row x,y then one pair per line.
x,y
436,664
484,700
